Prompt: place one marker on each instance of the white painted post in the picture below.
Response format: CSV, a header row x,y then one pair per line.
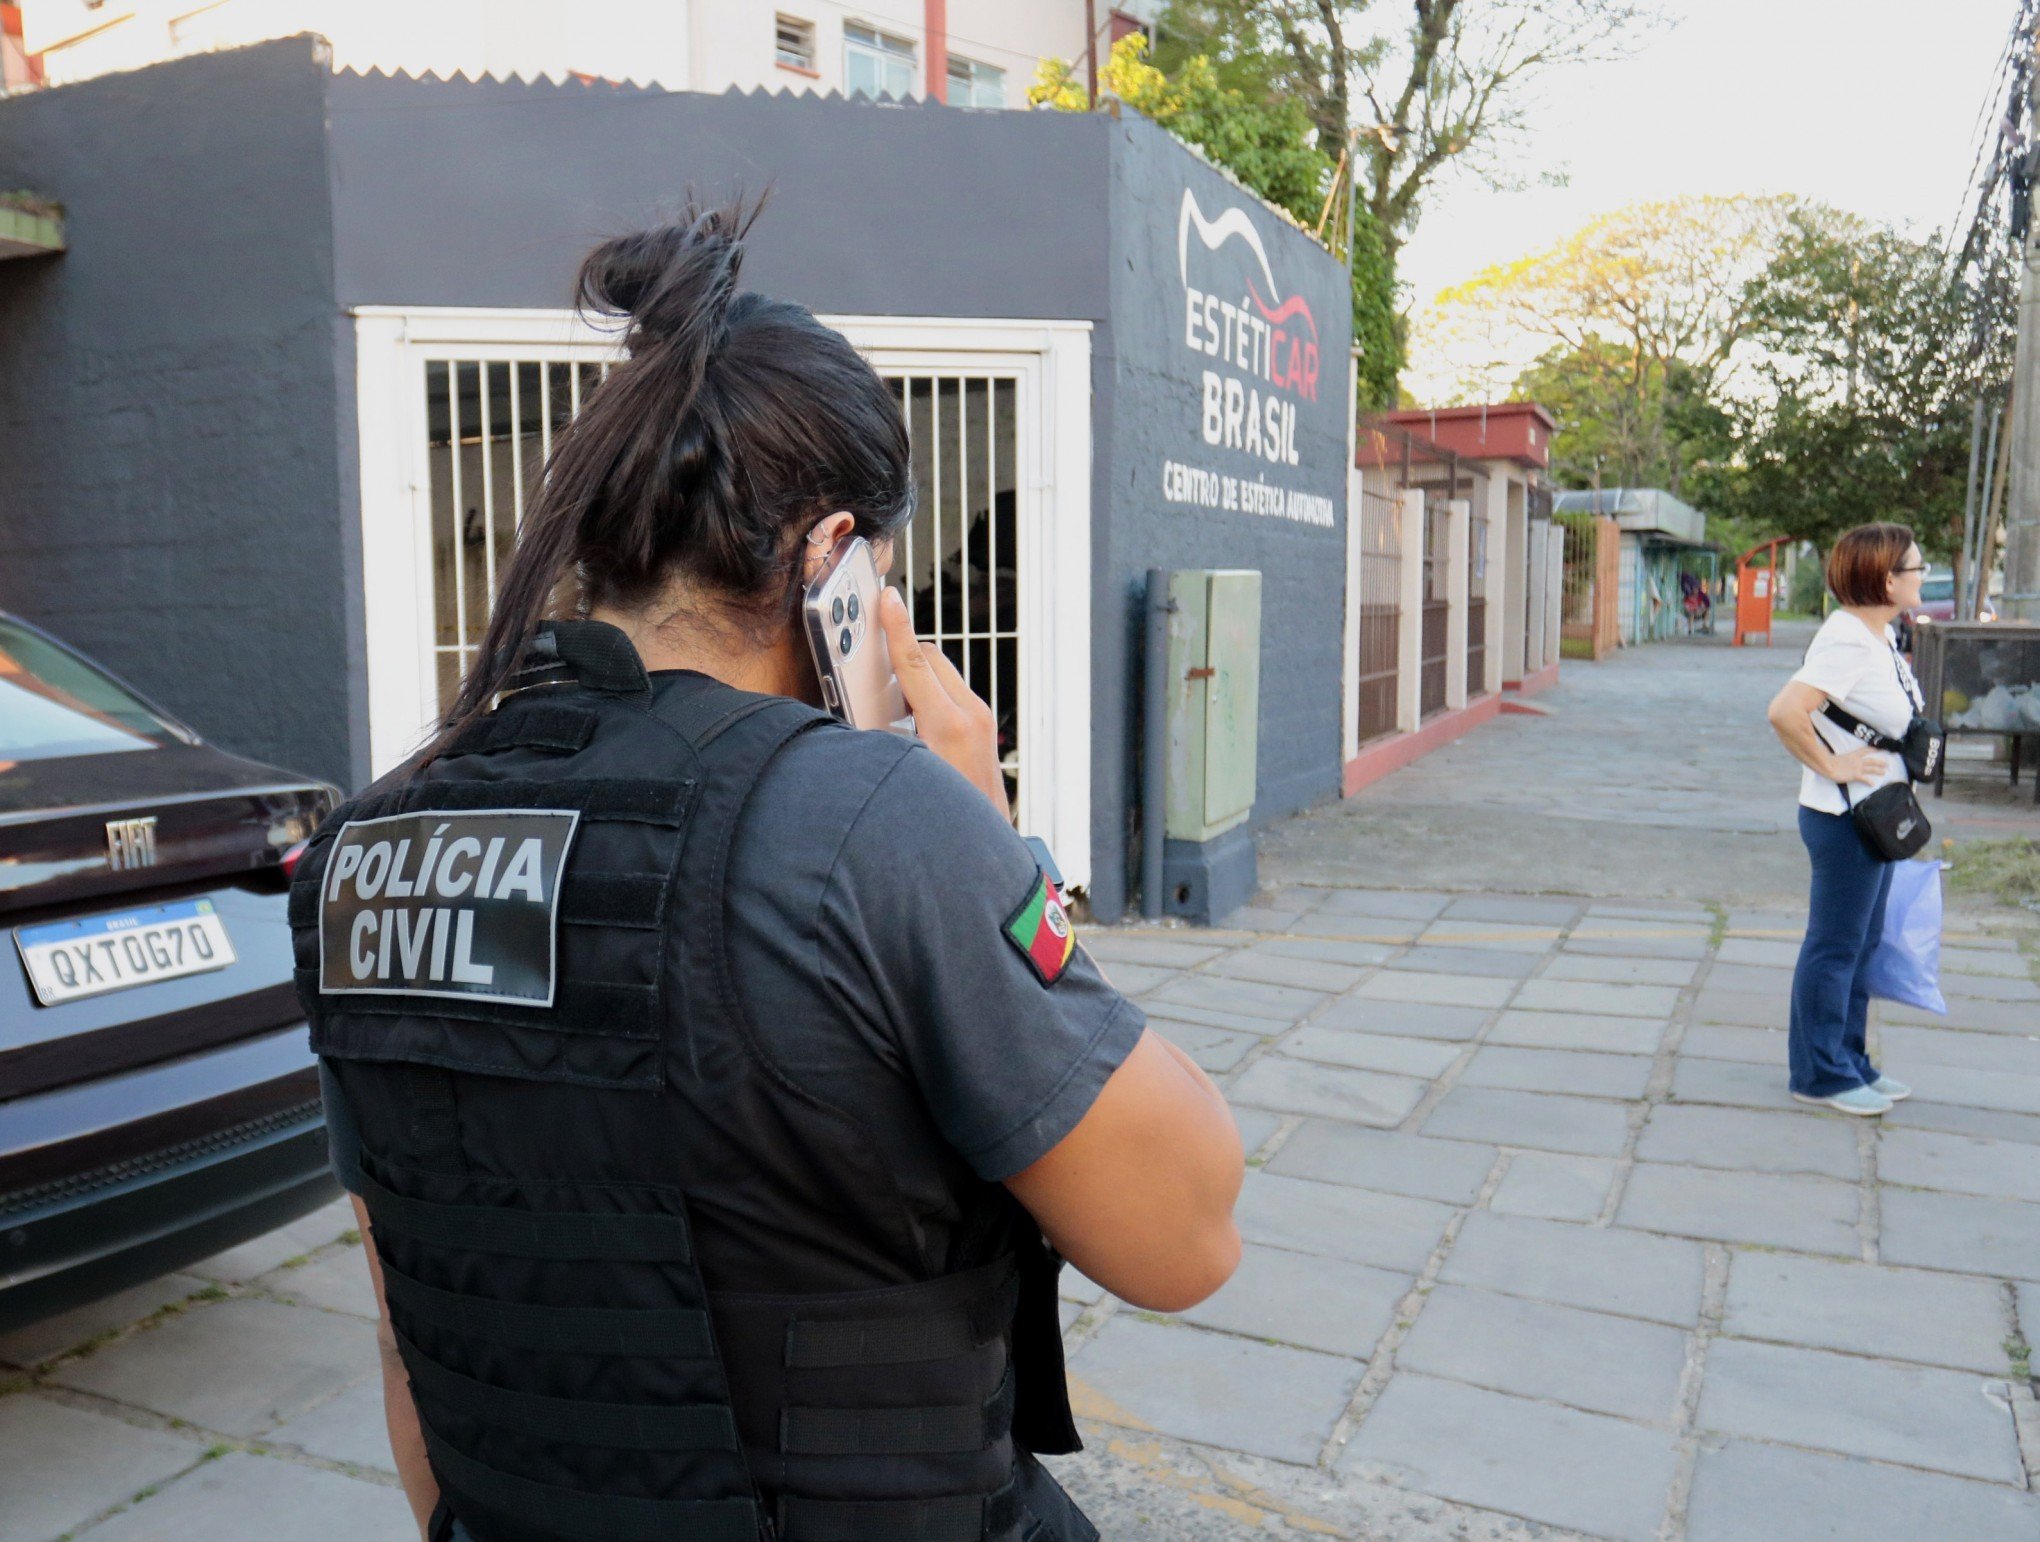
x,y
1535,569
1409,648
1515,578
1496,580
1349,673
1458,537
1554,591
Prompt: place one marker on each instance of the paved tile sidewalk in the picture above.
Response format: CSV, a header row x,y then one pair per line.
x,y
238,1401
1537,1245
1583,1262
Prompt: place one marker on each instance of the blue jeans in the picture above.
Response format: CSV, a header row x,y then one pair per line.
x,y
1830,1004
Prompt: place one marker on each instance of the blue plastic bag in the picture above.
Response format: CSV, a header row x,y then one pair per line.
x,y
1906,964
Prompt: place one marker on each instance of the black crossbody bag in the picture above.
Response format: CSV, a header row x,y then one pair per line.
x,y
1890,820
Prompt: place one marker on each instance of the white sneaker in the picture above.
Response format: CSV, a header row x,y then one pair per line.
x,y
1861,1101
1892,1088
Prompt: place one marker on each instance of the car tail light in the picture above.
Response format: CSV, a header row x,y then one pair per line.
x,y
287,863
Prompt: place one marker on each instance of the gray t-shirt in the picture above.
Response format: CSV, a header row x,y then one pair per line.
x,y
877,906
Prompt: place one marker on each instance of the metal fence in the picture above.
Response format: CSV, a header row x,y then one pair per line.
x,y
1391,460
1381,557
1538,508
490,426
1437,608
1477,538
958,560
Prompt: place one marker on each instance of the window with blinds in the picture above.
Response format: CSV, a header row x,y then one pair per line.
x,y
794,43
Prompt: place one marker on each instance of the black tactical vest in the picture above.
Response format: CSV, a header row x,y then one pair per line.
x,y
595,1197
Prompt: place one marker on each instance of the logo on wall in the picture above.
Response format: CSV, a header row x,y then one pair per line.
x,y
1266,346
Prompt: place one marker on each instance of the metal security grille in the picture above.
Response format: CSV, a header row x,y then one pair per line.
x,y
1477,554
1539,511
958,561
1437,606
1381,557
490,426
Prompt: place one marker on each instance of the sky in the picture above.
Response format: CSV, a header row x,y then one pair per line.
x,y
1868,104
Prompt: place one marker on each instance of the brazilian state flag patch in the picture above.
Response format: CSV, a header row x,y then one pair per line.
x,y
1041,930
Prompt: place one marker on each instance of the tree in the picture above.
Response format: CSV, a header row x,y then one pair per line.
x,y
1265,143
1790,368
1629,329
1615,431
1233,113
1663,281
1448,87
1867,356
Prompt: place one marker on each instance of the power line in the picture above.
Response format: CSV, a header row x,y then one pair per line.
x,y
2002,135
1997,195
1993,95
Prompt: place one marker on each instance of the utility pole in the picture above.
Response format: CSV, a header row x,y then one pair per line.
x,y
2022,512
1091,50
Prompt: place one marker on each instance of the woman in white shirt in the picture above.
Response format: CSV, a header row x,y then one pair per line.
x,y
1875,571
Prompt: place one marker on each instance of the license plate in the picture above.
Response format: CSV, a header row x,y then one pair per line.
x,y
96,954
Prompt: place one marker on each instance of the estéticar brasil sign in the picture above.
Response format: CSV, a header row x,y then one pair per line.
x,y
1260,358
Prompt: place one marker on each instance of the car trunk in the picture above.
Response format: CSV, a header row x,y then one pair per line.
x,y
221,828
215,815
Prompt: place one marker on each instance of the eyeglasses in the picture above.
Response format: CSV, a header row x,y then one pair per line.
x,y
1920,569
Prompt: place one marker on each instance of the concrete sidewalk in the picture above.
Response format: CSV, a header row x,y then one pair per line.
x,y
1537,1246
1533,1230
1656,775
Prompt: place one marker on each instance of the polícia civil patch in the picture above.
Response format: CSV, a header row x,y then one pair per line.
x,y
446,904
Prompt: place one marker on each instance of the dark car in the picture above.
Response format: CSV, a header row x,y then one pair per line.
x,y
158,1097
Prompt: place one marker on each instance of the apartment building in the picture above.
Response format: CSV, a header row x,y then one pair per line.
x,y
968,53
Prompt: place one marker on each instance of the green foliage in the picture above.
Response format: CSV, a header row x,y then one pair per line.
x,y
1790,368
1263,140
1409,93
1246,47
1626,419
1233,107
1808,593
1864,351
2006,870
1378,330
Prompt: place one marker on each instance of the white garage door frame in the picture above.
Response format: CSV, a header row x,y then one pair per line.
x,y
1051,362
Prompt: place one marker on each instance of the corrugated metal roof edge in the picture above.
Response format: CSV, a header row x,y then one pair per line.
x,y
1111,107
578,82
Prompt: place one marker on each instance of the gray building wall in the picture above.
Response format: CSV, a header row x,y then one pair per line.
x,y
490,193
169,494
1155,418
178,391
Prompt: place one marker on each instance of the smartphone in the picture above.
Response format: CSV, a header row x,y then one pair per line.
x,y
848,644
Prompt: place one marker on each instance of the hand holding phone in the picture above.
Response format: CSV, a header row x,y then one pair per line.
x,y
951,719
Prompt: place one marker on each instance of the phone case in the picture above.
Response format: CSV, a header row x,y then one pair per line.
x,y
851,659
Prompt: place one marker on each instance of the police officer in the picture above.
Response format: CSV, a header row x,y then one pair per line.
x,y
707,1073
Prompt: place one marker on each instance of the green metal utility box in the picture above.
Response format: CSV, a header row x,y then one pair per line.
x,y
1214,700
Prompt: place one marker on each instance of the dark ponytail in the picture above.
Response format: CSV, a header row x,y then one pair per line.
x,y
735,423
